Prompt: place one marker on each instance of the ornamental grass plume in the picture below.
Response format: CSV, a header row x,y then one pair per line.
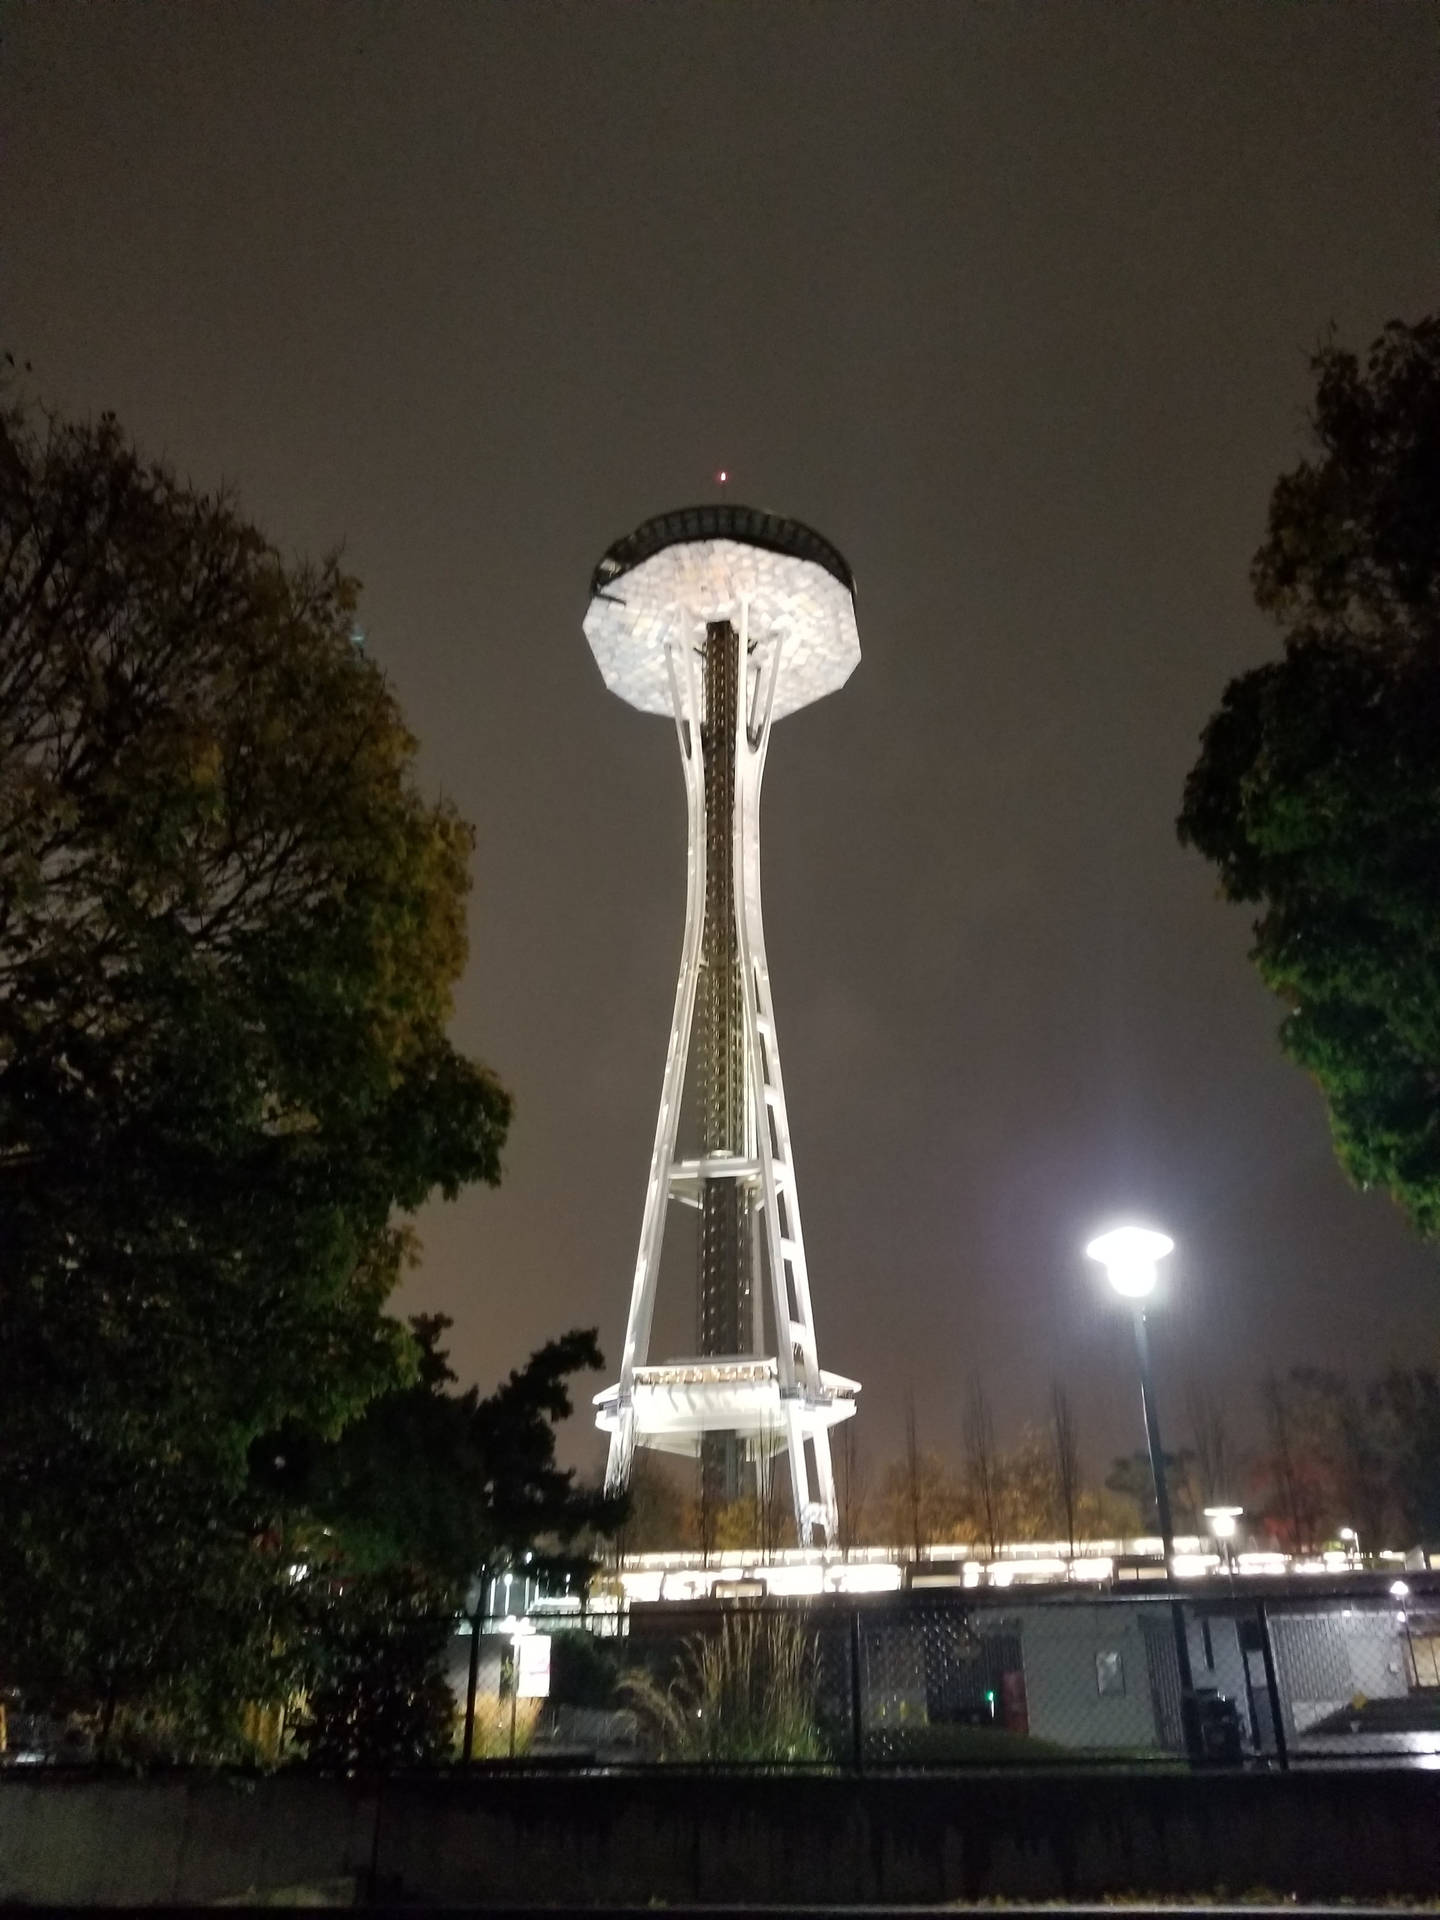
x,y
745,1693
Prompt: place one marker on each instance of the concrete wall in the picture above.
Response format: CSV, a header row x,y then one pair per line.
x,y
182,1840
634,1839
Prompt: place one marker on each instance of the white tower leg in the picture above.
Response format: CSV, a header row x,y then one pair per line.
x,y
662,1159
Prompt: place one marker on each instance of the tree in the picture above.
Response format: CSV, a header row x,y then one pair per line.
x,y
919,1502
230,927
1317,790
1031,1492
1216,1468
449,1485
769,1502
1296,1490
1130,1478
1065,1461
1407,1402
376,1694
427,1494
852,1487
1328,1465
984,1474
917,1516
655,1518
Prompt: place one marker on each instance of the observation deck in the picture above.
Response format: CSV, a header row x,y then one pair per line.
x,y
676,1403
661,585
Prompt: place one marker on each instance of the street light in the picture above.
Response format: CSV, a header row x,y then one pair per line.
x,y
1223,1522
1350,1540
1130,1256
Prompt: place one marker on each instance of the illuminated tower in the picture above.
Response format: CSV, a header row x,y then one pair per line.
x,y
727,619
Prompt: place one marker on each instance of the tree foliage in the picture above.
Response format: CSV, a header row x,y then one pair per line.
x,y
1132,1481
447,1484
1317,790
376,1695
230,926
1338,1455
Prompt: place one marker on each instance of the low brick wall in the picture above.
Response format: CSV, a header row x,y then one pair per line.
x,y
533,1840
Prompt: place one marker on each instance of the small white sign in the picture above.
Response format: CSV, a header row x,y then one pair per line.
x,y
532,1666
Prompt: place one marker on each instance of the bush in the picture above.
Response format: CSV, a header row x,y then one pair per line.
x,y
377,1697
584,1671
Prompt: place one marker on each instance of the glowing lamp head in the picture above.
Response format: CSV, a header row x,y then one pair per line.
x,y
1223,1521
1129,1256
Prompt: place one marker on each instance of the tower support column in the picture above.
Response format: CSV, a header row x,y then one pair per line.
x,y
725,1277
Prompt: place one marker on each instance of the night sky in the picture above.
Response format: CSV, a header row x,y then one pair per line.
x,y
1012,303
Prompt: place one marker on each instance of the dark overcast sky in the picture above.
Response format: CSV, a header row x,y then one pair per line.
x,y
1011,302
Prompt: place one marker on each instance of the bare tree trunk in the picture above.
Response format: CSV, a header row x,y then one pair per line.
x,y
1065,1449
1215,1464
767,1495
1293,1505
982,1463
913,1489
851,1486
706,1516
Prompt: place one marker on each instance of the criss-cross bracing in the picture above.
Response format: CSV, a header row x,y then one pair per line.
x,y
727,619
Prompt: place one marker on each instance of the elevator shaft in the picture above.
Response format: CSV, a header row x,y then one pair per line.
x,y
726,1275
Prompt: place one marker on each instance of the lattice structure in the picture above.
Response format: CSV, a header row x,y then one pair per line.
x,y
726,619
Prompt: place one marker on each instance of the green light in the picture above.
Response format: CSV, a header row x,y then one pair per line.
x,y
989,1696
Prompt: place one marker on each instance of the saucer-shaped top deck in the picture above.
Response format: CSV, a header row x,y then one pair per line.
x,y
662,584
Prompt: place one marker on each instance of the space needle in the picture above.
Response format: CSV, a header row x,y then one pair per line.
x,y
726,619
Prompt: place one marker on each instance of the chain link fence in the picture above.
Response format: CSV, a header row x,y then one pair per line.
x,y
992,1680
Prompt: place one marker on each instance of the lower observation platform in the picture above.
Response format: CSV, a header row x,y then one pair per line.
x,y
679,1401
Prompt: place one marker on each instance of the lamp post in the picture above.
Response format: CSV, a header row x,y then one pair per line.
x,y
1350,1540
1223,1522
1129,1256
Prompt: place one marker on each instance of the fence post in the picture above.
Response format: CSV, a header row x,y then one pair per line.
x,y
1272,1686
472,1682
856,1725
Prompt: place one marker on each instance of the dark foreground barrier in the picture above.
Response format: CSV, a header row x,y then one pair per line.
x,y
682,1838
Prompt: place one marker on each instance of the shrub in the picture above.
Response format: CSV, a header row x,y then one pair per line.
x,y
746,1693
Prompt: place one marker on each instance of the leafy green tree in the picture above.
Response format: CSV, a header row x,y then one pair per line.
x,y
1317,790
230,926
376,1694
451,1485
